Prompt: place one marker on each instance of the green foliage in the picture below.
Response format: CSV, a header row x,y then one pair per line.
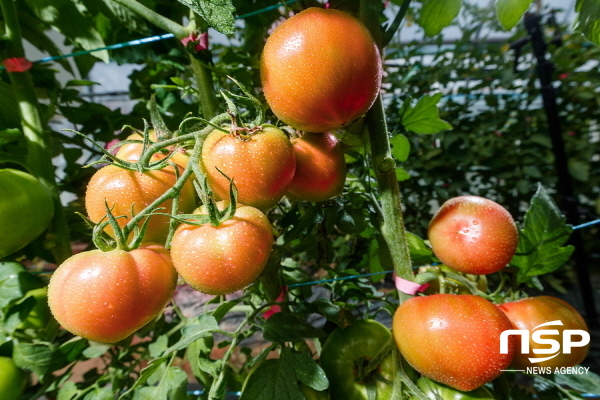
x,y
462,121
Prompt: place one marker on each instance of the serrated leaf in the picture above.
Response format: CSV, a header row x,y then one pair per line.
x,y
67,391
438,14
509,12
400,147
98,393
541,247
284,327
36,357
424,117
217,13
274,379
152,367
587,21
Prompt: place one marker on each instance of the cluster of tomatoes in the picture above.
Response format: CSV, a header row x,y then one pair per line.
x,y
455,339
108,295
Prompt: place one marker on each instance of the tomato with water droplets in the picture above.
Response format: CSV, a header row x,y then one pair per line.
x,y
224,258
320,167
453,339
128,191
261,164
107,296
473,235
320,70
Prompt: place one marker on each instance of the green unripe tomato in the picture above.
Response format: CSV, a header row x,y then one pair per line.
x,y
25,206
12,380
345,348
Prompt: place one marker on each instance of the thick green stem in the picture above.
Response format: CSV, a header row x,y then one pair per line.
x,y
155,18
392,222
206,88
39,158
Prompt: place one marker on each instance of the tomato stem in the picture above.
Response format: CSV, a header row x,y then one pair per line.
x,y
39,157
392,221
155,18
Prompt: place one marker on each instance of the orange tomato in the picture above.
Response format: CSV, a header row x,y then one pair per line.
x,y
320,167
320,70
126,190
473,235
222,259
261,165
107,296
453,339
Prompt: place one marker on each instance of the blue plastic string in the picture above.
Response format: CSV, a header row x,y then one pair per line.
x,y
151,39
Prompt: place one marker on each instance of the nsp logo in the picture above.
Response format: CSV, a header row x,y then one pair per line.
x,y
540,336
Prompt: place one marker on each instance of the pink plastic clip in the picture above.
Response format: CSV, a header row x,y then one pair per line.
x,y
409,287
17,64
276,308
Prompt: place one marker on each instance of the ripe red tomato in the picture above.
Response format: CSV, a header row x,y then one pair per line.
x,y
26,206
453,339
132,151
531,312
107,296
473,235
320,167
320,70
262,165
225,258
125,190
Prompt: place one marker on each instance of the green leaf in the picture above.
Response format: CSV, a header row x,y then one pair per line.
x,y
97,393
400,147
67,391
152,367
172,386
541,247
285,327
438,14
217,13
510,12
424,117
15,282
420,253
278,379
308,371
203,326
66,18
588,20
36,357
585,383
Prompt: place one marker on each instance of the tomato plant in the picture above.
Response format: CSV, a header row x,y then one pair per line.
x,y
12,380
107,296
223,258
129,192
26,206
473,235
311,87
452,339
346,358
320,167
262,165
531,312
